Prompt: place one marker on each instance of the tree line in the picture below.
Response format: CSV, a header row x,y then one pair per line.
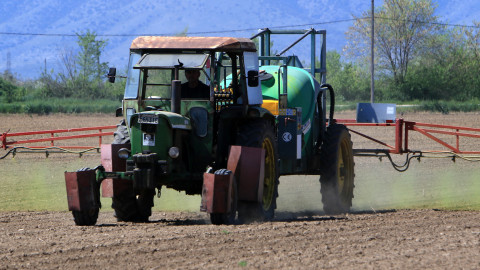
x,y
82,76
416,56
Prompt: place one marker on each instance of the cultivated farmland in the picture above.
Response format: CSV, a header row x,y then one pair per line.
x,y
427,217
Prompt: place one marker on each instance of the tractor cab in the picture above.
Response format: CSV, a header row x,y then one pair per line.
x,y
155,62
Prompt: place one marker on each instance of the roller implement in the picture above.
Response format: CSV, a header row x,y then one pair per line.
x,y
262,116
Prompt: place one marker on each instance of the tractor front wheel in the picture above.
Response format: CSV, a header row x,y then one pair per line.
x,y
260,133
144,205
86,217
337,172
133,208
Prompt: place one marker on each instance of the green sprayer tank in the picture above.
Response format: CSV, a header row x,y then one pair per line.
x,y
301,93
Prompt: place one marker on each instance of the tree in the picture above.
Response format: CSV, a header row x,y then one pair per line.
x,y
401,28
473,45
82,73
473,40
7,90
349,80
88,59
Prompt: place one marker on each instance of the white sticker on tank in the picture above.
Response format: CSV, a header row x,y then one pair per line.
x,y
390,110
306,127
299,146
148,139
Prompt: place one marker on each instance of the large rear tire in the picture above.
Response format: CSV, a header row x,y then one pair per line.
x,y
121,136
260,133
337,179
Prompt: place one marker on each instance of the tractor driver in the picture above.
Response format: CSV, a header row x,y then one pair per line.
x,y
194,88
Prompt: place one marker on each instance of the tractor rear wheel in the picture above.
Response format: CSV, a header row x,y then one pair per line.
x,y
227,218
86,217
337,172
121,136
260,133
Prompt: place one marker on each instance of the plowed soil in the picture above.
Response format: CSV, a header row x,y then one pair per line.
x,y
404,239
398,220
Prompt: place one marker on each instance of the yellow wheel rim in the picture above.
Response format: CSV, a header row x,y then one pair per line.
x,y
270,175
345,167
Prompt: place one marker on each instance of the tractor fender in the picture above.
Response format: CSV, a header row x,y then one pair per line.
x,y
257,111
248,166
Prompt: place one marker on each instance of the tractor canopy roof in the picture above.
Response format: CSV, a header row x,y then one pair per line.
x,y
224,44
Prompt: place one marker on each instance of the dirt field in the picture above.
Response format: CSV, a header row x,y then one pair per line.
x,y
406,239
301,237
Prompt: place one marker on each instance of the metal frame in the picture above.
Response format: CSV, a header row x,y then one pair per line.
x,y
402,130
266,54
53,133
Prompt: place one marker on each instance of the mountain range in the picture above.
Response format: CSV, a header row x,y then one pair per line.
x,y
35,33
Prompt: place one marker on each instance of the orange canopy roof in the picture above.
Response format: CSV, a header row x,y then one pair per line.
x,y
194,43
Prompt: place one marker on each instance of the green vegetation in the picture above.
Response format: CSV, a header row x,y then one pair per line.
x,y
449,186
452,186
80,87
41,187
61,105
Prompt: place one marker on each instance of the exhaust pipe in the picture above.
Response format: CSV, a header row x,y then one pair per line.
x,y
176,96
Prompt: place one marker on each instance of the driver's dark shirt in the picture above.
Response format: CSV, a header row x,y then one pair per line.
x,y
201,91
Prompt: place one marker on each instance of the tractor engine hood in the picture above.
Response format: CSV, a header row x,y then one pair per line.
x,y
174,120
156,136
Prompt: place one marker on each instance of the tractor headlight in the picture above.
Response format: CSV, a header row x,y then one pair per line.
x,y
174,152
124,153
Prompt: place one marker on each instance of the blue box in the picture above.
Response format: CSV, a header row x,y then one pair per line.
x,y
376,112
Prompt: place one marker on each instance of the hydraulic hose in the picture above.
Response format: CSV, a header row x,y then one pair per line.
x,y
332,100
15,151
321,134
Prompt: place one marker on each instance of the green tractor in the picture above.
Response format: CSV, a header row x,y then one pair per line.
x,y
229,139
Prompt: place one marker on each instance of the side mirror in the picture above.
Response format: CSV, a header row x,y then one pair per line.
x,y
119,112
111,74
252,77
